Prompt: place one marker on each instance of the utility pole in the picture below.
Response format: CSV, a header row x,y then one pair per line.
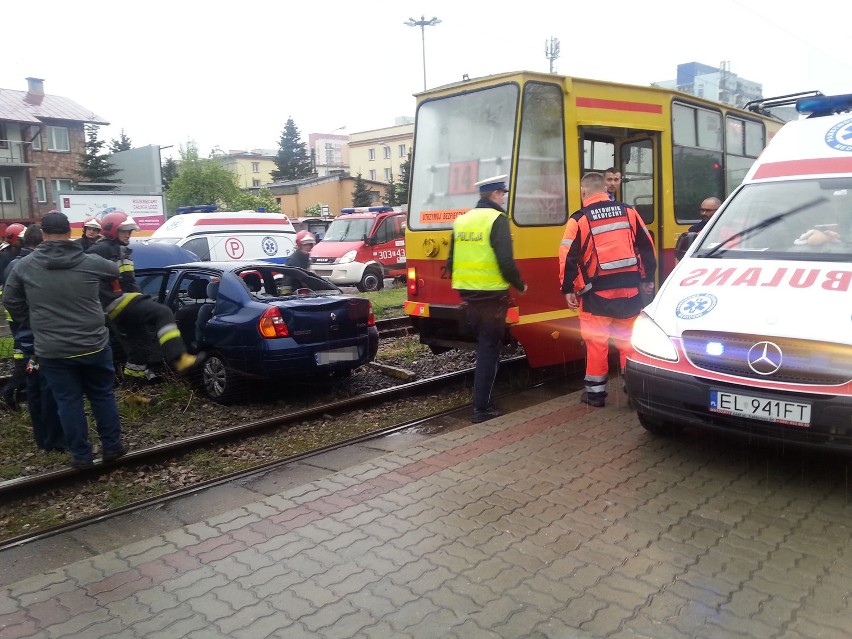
x,y
551,51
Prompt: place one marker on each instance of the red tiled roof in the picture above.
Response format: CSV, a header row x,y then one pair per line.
x,y
21,106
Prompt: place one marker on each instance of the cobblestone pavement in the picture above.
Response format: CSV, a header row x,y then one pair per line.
x,y
556,521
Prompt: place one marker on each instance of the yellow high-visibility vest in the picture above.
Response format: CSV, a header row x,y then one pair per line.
x,y
475,265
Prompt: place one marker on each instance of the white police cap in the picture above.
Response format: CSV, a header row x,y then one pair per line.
x,y
498,182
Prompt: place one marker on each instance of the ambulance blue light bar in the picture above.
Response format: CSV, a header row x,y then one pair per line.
x,y
825,104
200,208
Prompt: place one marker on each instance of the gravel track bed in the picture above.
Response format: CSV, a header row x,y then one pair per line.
x,y
182,411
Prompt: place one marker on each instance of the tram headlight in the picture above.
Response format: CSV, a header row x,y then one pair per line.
x,y
650,339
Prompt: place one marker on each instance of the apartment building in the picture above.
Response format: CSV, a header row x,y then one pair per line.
x,y
378,154
42,141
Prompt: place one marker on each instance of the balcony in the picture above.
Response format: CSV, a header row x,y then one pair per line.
x,y
12,153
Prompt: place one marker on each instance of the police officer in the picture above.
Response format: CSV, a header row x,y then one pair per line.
x,y
606,257
130,310
483,267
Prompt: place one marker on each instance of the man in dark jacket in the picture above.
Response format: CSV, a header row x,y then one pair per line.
x,y
54,291
483,267
44,415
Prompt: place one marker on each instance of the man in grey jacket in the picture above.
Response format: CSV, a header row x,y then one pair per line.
x,y
54,291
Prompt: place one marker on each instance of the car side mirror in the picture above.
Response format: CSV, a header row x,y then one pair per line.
x,y
683,243
369,241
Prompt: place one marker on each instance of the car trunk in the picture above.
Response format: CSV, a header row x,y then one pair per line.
x,y
326,319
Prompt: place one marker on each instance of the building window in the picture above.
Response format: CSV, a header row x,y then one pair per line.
x,y
7,192
372,154
41,190
37,141
4,143
387,151
255,167
58,186
402,151
255,182
372,174
388,175
57,139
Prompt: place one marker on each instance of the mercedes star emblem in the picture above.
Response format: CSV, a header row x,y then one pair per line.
x,y
764,358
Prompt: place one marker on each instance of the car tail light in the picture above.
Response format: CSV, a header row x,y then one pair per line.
x,y
271,324
412,281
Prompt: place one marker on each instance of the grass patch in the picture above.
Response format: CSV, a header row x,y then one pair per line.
x,y
385,300
403,350
6,347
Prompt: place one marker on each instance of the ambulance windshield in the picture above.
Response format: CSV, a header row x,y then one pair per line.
x,y
773,220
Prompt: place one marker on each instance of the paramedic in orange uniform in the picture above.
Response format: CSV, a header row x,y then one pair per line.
x,y
606,256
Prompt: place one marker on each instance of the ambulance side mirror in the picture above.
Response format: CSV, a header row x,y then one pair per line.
x,y
683,243
368,240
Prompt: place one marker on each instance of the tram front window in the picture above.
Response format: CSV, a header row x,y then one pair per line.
x,y
460,140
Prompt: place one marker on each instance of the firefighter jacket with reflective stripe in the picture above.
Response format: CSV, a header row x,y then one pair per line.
x,y
606,247
117,294
474,264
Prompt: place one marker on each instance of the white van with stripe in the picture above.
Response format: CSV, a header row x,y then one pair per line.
x,y
752,331
224,236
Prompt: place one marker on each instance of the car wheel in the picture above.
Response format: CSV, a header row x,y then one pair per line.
x,y
658,426
221,382
370,281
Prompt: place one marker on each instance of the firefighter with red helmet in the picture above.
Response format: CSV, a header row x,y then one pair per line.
x,y
91,233
607,263
11,246
130,310
305,241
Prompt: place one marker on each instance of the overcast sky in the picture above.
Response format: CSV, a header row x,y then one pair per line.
x,y
229,74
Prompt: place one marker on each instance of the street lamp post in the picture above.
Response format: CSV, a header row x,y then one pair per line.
x,y
423,23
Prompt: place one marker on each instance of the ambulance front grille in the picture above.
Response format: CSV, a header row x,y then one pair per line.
x,y
792,361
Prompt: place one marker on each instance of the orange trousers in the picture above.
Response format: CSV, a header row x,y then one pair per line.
x,y
597,331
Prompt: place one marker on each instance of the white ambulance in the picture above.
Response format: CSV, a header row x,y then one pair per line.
x,y
752,331
223,236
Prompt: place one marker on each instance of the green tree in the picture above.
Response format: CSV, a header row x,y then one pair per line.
x,y
292,161
94,165
123,143
169,172
201,181
404,181
314,211
246,201
361,196
391,193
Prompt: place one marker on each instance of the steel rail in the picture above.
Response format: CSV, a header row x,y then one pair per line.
x,y
166,497
167,449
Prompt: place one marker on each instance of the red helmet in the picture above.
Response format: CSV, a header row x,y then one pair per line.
x,y
92,223
305,237
112,223
13,232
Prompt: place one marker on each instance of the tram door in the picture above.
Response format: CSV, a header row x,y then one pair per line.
x,y
637,157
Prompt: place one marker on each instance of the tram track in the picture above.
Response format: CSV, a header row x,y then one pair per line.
x,y
40,484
